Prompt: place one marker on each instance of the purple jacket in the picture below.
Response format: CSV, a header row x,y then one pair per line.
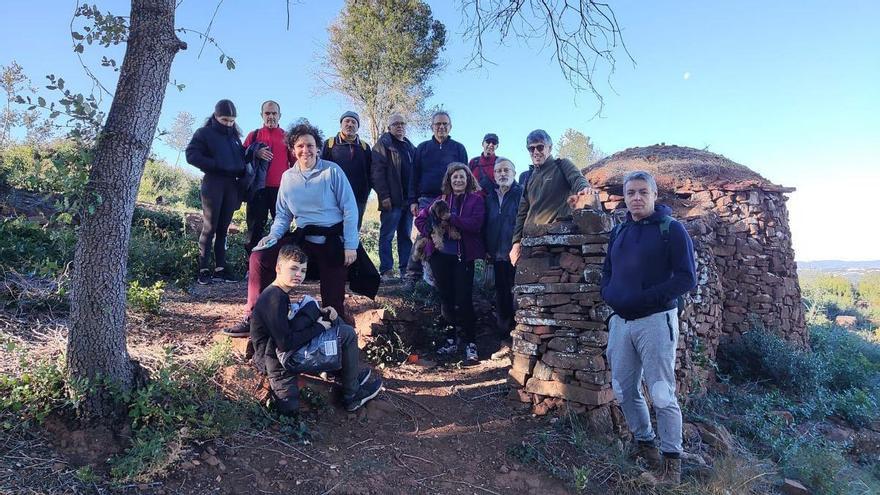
x,y
469,223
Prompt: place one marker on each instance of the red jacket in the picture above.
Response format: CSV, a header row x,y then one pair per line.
x,y
274,139
483,168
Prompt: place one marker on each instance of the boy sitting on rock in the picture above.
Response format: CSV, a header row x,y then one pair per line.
x,y
294,335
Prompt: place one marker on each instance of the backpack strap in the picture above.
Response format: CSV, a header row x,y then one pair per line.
x,y
254,133
664,228
329,143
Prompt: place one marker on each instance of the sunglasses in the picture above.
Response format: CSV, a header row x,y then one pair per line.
x,y
395,124
440,124
538,147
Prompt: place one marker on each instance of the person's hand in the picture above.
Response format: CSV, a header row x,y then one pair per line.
x,y
386,204
581,199
350,256
324,323
414,209
265,243
514,253
265,154
331,313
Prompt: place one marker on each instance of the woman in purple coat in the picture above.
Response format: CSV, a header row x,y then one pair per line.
x,y
452,226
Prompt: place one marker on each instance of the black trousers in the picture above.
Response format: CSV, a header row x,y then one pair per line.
x,y
455,282
258,210
504,275
220,199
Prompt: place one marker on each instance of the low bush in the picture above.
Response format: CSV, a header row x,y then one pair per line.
x,y
146,299
759,355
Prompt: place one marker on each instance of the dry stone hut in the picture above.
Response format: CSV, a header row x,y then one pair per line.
x,y
745,266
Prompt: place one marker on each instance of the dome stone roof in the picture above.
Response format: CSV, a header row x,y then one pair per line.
x,y
678,169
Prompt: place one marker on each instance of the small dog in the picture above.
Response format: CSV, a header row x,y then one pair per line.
x,y
440,225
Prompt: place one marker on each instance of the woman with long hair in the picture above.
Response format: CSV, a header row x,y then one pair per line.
x,y
216,150
452,225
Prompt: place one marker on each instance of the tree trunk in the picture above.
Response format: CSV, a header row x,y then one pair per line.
x,y
96,348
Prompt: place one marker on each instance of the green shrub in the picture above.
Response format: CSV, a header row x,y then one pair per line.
x,y
833,291
161,179
850,360
29,247
37,391
759,355
145,299
856,406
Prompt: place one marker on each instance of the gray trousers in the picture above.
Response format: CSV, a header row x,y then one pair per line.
x,y
647,346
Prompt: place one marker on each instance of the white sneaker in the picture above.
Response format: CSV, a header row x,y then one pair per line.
x,y
470,353
449,347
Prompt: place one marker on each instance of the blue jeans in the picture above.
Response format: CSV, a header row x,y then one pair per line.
x,y
397,220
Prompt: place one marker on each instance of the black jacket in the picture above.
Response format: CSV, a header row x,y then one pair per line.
x,y
355,159
392,168
216,149
500,221
271,329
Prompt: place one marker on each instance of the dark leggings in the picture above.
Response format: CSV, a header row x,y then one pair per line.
x,y
220,199
504,275
455,282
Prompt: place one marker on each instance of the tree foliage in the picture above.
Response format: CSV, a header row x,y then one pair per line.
x,y
579,148
381,55
180,133
583,35
16,84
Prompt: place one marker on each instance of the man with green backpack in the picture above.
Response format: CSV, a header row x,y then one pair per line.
x,y
648,267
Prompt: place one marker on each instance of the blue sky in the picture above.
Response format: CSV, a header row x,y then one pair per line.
x,y
789,89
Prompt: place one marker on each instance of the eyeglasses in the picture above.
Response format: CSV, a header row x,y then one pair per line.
x,y
492,142
397,124
440,124
538,147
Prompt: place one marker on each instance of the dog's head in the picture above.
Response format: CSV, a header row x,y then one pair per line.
x,y
439,208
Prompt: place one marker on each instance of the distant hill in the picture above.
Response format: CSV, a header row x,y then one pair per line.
x,y
839,265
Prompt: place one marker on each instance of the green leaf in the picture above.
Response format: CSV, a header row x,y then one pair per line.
x,y
76,35
78,48
41,101
230,63
222,58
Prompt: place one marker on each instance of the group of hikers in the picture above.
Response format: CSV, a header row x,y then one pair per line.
x,y
463,210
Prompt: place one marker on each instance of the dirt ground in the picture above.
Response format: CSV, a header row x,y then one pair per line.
x,y
435,429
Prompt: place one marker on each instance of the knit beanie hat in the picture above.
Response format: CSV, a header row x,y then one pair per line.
x,y
352,115
225,108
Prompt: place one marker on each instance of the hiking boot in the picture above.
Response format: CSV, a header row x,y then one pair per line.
x,y
364,394
241,329
389,276
671,471
447,347
363,376
221,274
470,354
502,352
647,450
204,277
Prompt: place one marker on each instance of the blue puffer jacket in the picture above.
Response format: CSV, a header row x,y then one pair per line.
x,y
216,149
500,221
645,274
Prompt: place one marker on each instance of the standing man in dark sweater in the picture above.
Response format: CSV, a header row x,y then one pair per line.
x,y
263,202
431,161
354,156
649,265
392,166
432,158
